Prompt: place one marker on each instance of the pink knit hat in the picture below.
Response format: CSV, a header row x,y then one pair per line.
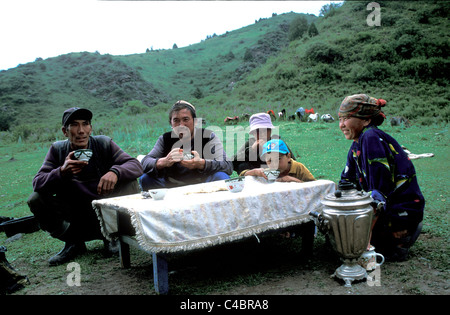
x,y
260,120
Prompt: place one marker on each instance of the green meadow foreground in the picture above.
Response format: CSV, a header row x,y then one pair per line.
x,y
271,266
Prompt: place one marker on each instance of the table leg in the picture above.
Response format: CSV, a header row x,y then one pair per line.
x,y
308,231
124,253
160,274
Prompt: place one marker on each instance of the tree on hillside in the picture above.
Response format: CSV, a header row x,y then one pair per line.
x,y
298,27
6,119
329,9
312,30
174,46
248,56
197,93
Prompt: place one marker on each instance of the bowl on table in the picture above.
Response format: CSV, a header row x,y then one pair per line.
x,y
235,184
272,175
158,194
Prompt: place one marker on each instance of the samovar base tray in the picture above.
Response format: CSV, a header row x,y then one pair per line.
x,y
350,271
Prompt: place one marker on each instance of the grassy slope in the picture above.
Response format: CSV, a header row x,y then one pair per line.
x,y
321,147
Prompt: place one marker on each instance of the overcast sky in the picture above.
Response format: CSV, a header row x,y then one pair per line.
x,y
47,28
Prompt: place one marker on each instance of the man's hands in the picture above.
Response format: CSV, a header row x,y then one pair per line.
x,y
195,163
73,166
176,156
107,183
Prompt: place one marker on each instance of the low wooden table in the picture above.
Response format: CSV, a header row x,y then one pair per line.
x,y
205,215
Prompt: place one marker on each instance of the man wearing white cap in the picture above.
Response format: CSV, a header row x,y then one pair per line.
x,y
248,157
186,155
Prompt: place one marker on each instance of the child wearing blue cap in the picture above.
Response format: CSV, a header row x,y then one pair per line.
x,y
277,156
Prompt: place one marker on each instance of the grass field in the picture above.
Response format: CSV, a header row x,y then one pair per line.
x,y
321,147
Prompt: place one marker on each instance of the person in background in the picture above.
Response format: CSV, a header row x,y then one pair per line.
x,y
376,163
249,156
277,157
186,155
64,187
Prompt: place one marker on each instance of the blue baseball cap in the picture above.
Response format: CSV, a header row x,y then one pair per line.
x,y
275,145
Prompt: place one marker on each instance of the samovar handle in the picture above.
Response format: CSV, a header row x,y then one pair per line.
x,y
377,206
320,221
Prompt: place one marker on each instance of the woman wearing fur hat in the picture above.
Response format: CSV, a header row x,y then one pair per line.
x,y
376,163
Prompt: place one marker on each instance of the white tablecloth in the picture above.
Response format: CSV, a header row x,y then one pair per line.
x,y
202,215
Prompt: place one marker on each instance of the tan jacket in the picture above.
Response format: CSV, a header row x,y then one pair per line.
x,y
300,171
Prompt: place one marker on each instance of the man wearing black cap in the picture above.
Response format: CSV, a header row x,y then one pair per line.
x,y
64,187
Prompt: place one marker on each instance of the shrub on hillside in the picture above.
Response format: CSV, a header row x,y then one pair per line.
x,y
324,73
248,56
435,46
425,69
197,93
406,46
286,71
298,27
136,108
372,72
322,52
5,121
379,52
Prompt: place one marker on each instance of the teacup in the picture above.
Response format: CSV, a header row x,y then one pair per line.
x,y
83,154
158,194
368,259
235,184
272,175
187,156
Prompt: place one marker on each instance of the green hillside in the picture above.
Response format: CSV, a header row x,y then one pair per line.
x,y
38,92
256,68
405,61
212,65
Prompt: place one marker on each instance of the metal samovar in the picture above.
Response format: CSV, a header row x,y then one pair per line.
x,y
347,219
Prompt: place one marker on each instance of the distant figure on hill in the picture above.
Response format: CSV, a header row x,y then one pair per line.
x,y
65,185
186,155
376,163
400,120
